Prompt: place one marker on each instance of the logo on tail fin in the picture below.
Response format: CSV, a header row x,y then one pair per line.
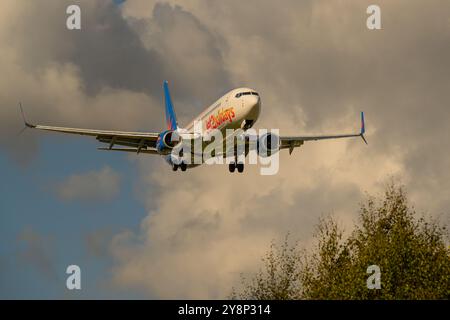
x,y
171,119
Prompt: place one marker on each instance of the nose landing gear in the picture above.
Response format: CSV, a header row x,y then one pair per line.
x,y
182,166
233,166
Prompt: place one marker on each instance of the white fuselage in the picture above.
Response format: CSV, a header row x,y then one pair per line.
x,y
230,111
237,109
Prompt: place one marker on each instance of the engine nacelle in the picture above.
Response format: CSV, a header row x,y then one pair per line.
x,y
268,144
167,140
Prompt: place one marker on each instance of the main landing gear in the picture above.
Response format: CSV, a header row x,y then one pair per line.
x,y
233,166
182,166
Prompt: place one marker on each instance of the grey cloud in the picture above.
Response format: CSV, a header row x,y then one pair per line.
x,y
86,78
106,50
329,65
36,250
97,242
99,185
316,66
109,53
77,78
190,50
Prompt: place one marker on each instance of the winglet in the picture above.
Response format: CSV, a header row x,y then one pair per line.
x,y
171,119
27,124
363,128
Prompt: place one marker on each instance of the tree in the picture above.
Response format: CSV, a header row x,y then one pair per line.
x,y
411,253
280,279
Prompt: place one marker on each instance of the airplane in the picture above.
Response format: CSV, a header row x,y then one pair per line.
x,y
238,109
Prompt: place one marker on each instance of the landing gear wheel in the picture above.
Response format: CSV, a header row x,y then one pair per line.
x,y
183,166
174,167
240,167
231,167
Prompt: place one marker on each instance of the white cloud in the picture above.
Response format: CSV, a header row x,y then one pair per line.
x,y
99,185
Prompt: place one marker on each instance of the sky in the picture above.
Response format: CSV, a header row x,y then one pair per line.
x,y
139,230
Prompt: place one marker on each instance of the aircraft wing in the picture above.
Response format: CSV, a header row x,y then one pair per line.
x,y
140,141
296,141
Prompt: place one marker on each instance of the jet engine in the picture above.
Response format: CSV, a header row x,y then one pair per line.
x,y
167,140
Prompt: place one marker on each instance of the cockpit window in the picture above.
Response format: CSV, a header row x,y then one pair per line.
x,y
238,95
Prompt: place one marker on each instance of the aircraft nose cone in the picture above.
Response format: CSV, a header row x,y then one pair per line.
x,y
252,101
253,104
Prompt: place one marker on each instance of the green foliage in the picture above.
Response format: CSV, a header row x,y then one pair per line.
x,y
280,278
411,253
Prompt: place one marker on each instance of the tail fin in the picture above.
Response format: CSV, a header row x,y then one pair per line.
x,y
171,118
363,128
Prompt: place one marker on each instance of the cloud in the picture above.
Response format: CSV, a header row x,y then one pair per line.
x,y
83,78
107,52
110,70
97,242
189,49
99,185
36,251
206,227
315,65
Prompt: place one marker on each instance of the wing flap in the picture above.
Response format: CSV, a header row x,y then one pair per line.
x,y
315,138
134,150
127,141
